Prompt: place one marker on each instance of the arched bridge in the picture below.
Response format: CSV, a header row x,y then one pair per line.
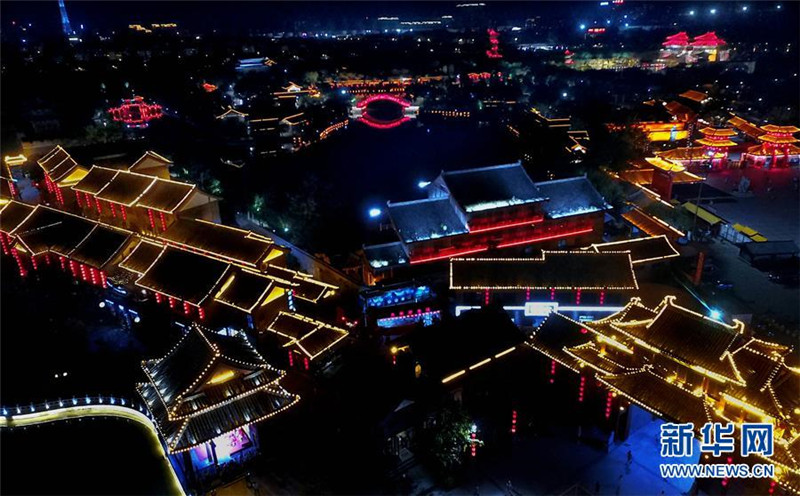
x,y
360,112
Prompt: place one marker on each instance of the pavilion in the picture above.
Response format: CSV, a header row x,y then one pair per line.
x,y
777,149
206,395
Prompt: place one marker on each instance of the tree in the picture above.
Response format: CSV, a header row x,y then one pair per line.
x,y
102,133
678,217
607,187
446,440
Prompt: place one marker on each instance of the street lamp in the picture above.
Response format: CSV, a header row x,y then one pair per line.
x,y
374,212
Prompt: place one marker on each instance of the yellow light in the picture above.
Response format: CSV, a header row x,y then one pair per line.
x,y
506,352
15,159
451,377
394,350
221,377
748,407
479,364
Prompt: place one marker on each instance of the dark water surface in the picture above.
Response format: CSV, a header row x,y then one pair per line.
x,y
86,456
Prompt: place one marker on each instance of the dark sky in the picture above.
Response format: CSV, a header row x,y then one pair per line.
x,y
243,16
232,16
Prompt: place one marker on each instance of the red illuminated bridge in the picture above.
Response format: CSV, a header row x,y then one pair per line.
x,y
361,111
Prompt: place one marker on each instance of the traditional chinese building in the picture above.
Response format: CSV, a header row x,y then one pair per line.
x,y
650,225
584,284
658,176
139,201
200,270
683,367
706,47
140,197
716,142
777,148
477,210
61,172
206,395
136,112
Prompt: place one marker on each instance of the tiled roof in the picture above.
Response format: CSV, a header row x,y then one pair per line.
x,y
50,229
572,196
142,257
96,179
420,220
643,250
487,188
386,255
57,163
183,275
308,336
650,225
190,409
567,270
694,95
655,394
126,188
12,215
101,246
222,241
691,338
165,196
244,290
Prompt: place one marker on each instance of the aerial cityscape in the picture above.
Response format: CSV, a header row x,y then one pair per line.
x,y
413,248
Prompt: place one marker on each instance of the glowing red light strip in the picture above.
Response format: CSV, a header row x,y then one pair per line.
x,y
383,97
544,238
513,224
484,248
440,257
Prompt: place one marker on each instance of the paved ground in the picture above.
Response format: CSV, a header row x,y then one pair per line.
x,y
751,286
773,206
553,465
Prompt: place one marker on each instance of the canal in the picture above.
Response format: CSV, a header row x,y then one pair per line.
x,y
359,168
92,455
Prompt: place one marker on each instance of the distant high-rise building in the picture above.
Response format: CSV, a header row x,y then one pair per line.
x,y
65,25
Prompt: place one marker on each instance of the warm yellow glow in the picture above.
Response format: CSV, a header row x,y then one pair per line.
x,y
708,373
273,295
273,254
394,350
748,407
74,177
451,377
614,343
221,377
16,159
225,286
667,136
506,352
479,364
